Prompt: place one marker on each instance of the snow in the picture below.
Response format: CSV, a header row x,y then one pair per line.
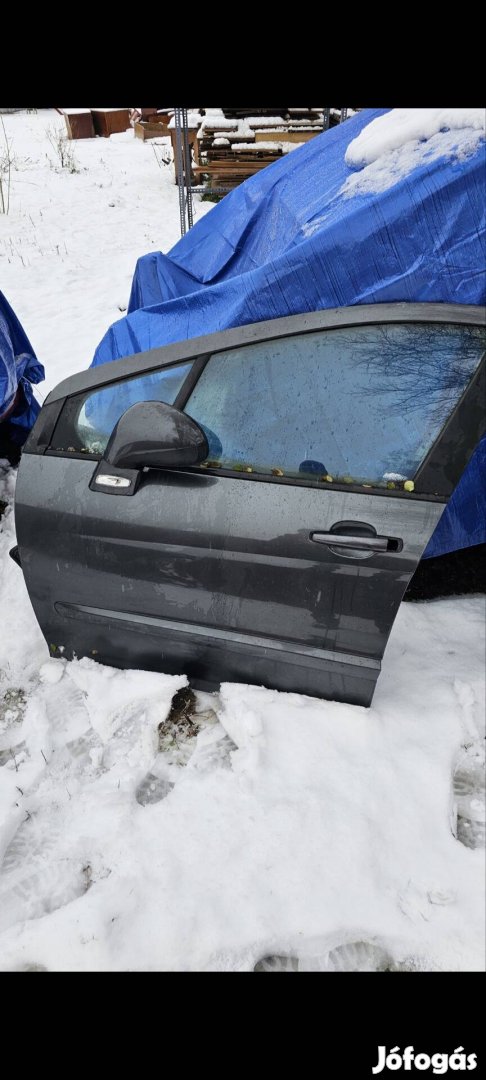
x,y
210,122
221,128
287,825
69,245
401,126
393,145
264,121
275,144
307,125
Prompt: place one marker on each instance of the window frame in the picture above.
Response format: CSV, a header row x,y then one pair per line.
x,y
201,349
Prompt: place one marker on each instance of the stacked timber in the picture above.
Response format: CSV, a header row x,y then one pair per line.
x,y
235,143
231,144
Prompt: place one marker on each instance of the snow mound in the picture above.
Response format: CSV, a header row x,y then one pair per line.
x,y
393,145
401,126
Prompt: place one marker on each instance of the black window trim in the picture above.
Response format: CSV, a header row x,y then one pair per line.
x,y
435,469
317,485
190,381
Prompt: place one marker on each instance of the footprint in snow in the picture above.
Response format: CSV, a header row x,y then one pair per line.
x,y
30,967
190,735
350,956
38,874
12,708
469,798
13,755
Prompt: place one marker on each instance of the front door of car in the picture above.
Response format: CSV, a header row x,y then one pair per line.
x,y
335,440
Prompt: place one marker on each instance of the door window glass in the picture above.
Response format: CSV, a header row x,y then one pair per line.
x,y
88,420
360,405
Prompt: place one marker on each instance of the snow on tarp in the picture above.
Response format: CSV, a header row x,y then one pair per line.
x,y
416,131
310,232
19,368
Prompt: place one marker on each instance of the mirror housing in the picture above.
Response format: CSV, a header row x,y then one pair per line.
x,y
155,435
150,434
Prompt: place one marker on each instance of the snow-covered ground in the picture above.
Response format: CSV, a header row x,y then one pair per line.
x,y
267,824
69,245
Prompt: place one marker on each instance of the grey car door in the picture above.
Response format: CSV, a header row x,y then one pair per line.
x,y
335,440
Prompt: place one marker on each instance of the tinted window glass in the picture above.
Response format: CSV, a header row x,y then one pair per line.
x,y
362,404
87,421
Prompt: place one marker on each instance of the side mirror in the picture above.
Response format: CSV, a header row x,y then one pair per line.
x,y
149,434
153,434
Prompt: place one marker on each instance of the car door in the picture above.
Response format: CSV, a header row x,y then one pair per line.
x,y
335,439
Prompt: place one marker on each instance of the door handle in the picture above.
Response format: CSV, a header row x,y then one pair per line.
x,y
359,540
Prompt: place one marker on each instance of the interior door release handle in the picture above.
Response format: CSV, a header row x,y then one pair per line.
x,y
359,542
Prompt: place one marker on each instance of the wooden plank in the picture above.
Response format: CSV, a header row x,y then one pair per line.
x,y
245,155
193,142
155,117
110,121
222,168
145,129
257,155
79,125
286,136
241,113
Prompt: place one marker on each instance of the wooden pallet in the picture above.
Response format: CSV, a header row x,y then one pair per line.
x,y
224,154
230,172
227,166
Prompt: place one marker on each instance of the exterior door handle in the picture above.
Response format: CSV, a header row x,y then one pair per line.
x,y
358,541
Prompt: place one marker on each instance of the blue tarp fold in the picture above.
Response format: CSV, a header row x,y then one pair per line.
x,y
19,368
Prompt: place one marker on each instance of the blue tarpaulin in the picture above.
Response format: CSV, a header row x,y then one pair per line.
x,y
19,368
289,241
